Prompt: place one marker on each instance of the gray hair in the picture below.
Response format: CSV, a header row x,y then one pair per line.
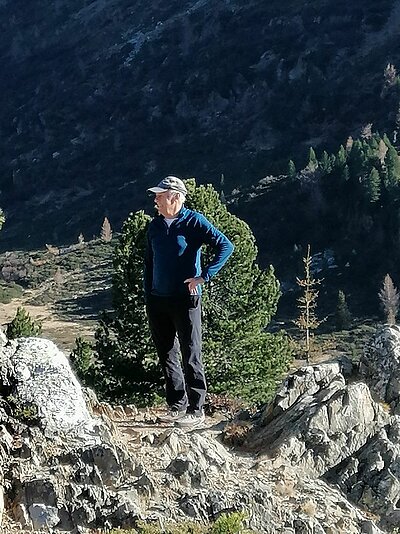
x,y
181,196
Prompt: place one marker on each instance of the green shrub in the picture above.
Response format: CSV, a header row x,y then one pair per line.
x,y
27,412
228,523
23,325
225,524
81,357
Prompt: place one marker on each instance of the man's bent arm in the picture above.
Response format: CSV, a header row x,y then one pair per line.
x,y
222,245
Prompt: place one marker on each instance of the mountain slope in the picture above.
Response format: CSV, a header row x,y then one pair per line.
x,y
100,99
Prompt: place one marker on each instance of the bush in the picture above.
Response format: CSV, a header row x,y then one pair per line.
x,y
225,524
81,358
23,326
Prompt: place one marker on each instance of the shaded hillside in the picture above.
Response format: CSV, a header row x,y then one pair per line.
x,y
99,99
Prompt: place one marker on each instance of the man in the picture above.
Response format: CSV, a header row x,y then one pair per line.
x,y
173,277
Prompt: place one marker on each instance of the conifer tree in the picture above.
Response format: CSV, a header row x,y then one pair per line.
x,y
307,303
345,175
125,366
390,299
312,160
389,77
291,169
23,325
240,357
325,162
349,144
366,131
372,185
386,140
106,232
342,316
356,160
58,277
341,157
81,357
382,150
392,164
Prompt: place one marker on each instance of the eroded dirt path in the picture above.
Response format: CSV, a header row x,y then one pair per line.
x,y
61,330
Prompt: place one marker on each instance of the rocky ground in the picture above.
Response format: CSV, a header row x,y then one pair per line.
x,y
322,457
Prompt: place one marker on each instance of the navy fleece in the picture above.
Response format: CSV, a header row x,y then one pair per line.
x,y
173,253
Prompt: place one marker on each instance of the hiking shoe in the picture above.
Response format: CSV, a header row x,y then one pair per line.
x,y
191,420
171,416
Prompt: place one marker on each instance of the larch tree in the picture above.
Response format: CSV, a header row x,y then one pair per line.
x,y
389,298
106,231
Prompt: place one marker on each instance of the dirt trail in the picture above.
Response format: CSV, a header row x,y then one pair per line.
x,y
63,332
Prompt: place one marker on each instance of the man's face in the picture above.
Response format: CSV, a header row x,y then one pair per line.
x,y
167,203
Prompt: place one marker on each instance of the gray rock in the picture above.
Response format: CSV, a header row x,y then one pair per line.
x,y
44,378
318,423
380,365
71,470
43,517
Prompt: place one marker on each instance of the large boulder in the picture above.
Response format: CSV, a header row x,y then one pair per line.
x,y
61,463
41,378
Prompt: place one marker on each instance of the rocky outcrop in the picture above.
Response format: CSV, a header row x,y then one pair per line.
x,y
130,90
340,422
380,366
323,450
318,418
371,476
61,465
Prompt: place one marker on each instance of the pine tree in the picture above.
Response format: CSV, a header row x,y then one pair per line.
x,y
23,325
325,162
123,347
240,357
106,232
341,157
389,76
82,357
372,185
312,160
345,175
392,164
386,140
342,316
390,299
366,131
307,303
356,160
291,169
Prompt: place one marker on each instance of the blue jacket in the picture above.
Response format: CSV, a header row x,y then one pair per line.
x,y
173,253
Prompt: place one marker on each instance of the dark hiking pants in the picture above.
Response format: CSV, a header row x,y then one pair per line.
x,y
175,322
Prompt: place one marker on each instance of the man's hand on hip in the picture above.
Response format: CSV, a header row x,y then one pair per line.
x,y
193,284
